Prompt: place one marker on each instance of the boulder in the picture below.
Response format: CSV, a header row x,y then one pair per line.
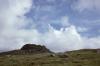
x,y
35,48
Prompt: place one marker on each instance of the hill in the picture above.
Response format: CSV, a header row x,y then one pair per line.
x,y
28,49
85,57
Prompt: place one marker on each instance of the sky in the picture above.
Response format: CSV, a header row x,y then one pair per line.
x,y
60,25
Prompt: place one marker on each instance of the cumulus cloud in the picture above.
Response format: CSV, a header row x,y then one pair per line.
x,y
63,39
14,34
11,19
67,39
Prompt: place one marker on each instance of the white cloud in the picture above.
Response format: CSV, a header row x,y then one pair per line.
x,y
64,39
82,5
67,39
11,19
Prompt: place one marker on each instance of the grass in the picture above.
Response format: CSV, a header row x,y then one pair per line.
x,y
74,58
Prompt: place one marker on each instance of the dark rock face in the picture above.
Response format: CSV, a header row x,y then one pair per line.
x,y
35,48
28,49
32,47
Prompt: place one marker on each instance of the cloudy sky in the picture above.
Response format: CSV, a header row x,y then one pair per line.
x,y
60,25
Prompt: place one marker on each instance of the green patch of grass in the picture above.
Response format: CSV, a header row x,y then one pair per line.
x,y
74,58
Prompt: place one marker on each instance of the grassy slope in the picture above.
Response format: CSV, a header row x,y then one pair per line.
x,y
75,58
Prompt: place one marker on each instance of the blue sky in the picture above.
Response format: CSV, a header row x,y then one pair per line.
x,y
73,23
55,9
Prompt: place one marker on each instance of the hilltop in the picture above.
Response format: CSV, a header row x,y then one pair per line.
x,y
37,55
28,49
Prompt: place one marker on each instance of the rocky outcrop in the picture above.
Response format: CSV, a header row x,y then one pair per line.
x,y
28,49
35,48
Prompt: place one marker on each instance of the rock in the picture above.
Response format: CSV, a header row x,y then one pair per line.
x,y
28,49
52,55
8,55
63,55
98,51
35,48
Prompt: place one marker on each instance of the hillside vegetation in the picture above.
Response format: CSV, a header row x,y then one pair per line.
x,y
73,58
